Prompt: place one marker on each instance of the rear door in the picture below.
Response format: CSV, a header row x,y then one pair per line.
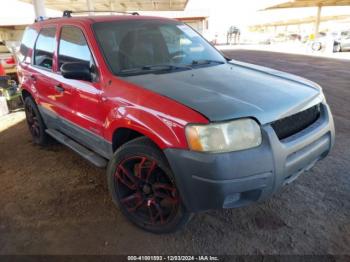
x,y
43,77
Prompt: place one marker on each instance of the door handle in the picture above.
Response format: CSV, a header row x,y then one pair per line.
x,y
33,77
59,88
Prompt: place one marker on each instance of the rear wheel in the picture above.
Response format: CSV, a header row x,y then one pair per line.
x,y
142,184
35,123
337,48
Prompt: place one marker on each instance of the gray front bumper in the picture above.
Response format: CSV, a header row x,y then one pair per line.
x,y
227,180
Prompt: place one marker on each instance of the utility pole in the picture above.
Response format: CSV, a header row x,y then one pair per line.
x,y
39,8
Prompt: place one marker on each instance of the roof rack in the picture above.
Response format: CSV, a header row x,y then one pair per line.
x,y
42,18
68,13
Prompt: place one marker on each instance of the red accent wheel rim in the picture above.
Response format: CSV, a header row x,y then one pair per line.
x,y
145,191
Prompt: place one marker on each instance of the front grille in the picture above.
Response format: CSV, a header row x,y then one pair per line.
x,y
293,124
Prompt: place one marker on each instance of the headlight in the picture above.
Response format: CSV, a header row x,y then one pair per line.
x,y
224,137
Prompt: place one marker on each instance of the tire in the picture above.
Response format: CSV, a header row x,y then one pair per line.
x,y
143,186
35,122
337,48
316,46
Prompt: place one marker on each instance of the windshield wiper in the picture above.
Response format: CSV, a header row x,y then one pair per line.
x,y
206,62
165,67
153,68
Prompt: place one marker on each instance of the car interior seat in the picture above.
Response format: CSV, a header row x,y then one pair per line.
x,y
140,48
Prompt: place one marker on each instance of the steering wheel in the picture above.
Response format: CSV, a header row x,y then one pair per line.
x,y
178,56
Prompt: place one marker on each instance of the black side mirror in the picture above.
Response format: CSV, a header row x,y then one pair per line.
x,y
76,70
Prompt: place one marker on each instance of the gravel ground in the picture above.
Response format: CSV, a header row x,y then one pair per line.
x,y
54,202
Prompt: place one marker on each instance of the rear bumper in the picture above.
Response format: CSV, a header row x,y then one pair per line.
x,y
227,180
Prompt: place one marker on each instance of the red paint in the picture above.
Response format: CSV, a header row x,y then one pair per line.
x,y
111,103
10,61
144,190
2,70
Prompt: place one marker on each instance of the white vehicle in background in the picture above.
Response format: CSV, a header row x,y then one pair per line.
x,y
343,43
256,38
7,59
338,41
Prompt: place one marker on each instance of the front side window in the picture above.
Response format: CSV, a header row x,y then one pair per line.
x,y
73,47
45,47
129,46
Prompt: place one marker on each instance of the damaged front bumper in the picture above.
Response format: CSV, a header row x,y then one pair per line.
x,y
227,180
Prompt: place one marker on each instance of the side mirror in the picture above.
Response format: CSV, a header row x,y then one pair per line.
x,y
76,70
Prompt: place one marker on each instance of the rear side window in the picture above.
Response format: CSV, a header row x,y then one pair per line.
x,y
28,41
73,47
45,47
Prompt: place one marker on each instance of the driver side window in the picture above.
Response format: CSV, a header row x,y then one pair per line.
x,y
73,47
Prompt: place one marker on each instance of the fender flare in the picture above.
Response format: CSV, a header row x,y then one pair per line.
x,y
163,130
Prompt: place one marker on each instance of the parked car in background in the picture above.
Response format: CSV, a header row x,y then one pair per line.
x,y
294,37
338,41
7,59
180,128
343,41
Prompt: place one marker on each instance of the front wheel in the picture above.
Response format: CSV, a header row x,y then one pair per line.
x,y
142,184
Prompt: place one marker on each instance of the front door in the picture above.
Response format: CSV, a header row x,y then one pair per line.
x,y
85,123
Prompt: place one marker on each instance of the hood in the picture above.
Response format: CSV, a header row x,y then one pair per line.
x,y
235,90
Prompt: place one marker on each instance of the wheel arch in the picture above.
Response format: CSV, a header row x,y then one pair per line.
x,y
123,135
25,93
161,130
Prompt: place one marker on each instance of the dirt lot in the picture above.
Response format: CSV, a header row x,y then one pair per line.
x,y
54,202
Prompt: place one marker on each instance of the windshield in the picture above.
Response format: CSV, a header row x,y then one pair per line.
x,y
143,46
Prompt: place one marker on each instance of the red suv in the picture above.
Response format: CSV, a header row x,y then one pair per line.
x,y
180,128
